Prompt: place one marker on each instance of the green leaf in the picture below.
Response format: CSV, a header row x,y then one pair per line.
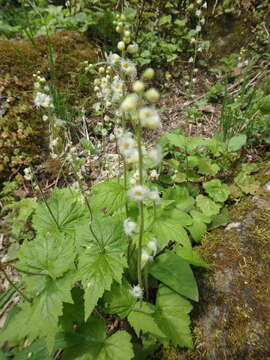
x,y
194,143
38,351
264,105
103,259
23,209
166,227
191,256
66,209
175,272
207,206
108,195
118,300
73,313
221,219
247,183
165,19
96,346
236,142
181,196
207,167
197,215
177,140
43,313
172,317
219,192
51,254
141,319
197,230
88,145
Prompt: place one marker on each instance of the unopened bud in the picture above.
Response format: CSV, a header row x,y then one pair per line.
x,y
152,95
138,86
148,74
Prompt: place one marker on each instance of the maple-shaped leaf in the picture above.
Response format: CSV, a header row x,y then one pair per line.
x,y
119,300
65,209
49,253
142,319
109,195
102,261
97,346
172,317
40,318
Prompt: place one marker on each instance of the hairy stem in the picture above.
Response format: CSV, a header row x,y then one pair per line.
x,y
141,209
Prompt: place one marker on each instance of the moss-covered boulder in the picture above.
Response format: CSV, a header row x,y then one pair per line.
x,y
23,133
232,319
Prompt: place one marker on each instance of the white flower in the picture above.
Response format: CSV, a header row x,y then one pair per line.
x,y
146,257
138,192
155,155
149,118
133,156
190,60
130,103
198,28
152,245
129,226
132,181
112,137
136,292
42,100
113,58
205,5
198,12
118,132
153,174
117,84
28,174
126,144
154,195
44,117
128,67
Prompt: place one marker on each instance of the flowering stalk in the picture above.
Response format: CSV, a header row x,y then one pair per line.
x,y
141,208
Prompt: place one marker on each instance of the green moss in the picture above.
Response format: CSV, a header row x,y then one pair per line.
x,y
23,134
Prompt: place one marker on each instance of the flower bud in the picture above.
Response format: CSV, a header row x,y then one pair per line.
x,y
138,86
148,74
130,103
152,95
121,45
101,70
133,48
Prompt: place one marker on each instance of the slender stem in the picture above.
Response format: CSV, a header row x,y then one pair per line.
x,y
88,207
125,183
28,272
15,286
44,199
141,208
139,261
146,285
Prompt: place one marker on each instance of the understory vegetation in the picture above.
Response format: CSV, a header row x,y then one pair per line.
x,y
127,133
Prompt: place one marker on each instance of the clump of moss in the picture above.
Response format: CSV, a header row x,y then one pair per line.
x,y
23,133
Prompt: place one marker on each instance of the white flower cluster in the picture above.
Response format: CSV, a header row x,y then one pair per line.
x,y
142,193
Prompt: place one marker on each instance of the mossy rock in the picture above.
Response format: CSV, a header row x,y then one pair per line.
x,y
231,320
23,133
